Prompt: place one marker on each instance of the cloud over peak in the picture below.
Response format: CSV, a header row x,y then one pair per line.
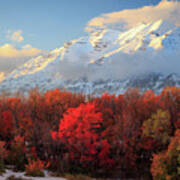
x,y
168,11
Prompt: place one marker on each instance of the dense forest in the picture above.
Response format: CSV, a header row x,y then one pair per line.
x,y
133,135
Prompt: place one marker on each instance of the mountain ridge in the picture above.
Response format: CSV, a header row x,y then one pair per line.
x,y
103,56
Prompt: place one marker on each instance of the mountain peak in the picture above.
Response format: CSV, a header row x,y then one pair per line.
x,y
105,55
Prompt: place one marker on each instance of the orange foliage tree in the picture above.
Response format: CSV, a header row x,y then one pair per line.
x,y
166,164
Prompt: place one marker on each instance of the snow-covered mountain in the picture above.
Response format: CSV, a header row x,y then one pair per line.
x,y
145,57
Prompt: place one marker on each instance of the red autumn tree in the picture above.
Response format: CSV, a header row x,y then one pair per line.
x,y
81,132
45,112
6,124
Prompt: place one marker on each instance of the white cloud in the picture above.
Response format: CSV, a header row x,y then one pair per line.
x,y
10,51
11,57
15,36
167,10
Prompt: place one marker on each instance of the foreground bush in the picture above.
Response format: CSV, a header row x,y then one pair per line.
x,y
35,168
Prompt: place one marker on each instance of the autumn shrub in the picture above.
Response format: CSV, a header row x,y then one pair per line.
x,y
6,125
123,117
35,168
3,154
12,111
17,155
81,133
51,105
166,164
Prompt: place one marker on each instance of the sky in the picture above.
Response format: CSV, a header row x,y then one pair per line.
x,y
47,24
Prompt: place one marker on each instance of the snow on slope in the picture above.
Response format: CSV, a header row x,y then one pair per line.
x,y
105,60
21,175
